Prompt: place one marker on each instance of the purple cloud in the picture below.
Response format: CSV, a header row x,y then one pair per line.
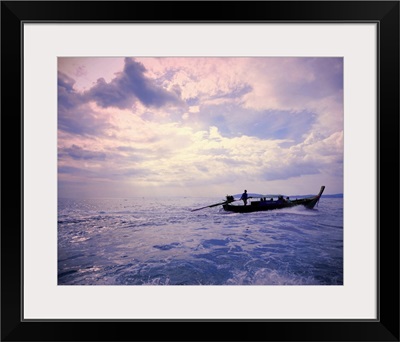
x,y
67,97
81,120
326,80
74,114
78,153
131,85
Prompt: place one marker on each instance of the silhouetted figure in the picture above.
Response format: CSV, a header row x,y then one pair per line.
x,y
244,197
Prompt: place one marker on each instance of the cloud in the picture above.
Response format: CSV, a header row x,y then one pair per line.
x,y
235,120
67,97
202,125
75,115
78,153
131,85
68,170
257,95
206,157
83,120
291,83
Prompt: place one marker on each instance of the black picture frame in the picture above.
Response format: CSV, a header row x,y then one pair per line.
x,y
15,13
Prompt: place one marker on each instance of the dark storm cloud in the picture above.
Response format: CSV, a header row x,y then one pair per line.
x,y
130,85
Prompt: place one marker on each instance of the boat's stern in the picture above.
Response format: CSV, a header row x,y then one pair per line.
x,y
311,204
321,191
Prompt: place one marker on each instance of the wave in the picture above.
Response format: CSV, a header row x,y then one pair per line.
x,y
266,276
173,246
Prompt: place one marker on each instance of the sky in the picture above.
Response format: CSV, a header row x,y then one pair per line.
x,y
209,127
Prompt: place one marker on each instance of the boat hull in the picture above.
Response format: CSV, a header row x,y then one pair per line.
x,y
273,205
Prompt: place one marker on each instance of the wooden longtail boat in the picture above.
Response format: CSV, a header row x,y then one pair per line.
x,y
269,203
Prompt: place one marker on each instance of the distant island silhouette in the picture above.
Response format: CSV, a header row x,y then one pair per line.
x,y
275,195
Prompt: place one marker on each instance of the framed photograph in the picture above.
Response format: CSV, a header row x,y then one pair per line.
x,y
198,163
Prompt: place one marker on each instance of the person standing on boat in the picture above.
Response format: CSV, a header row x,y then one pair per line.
x,y
244,197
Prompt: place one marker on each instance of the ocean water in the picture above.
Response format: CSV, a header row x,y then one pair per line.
x,y
160,241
